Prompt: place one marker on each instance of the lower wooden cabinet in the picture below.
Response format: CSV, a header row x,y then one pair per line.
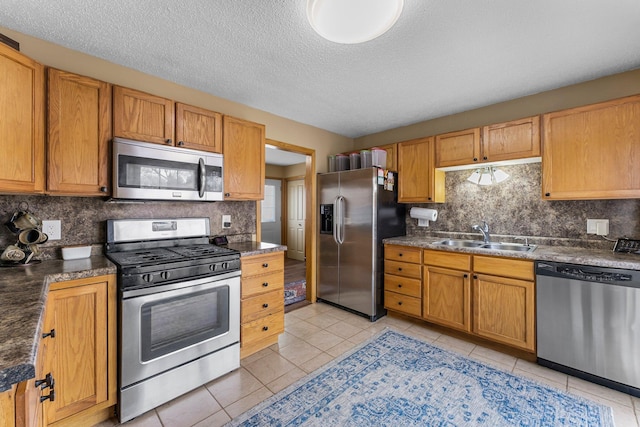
x,y
76,357
504,306
486,296
262,305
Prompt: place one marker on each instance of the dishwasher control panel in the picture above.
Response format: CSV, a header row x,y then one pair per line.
x,y
594,276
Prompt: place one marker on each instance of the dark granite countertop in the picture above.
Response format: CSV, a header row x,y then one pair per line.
x,y
23,293
255,248
567,254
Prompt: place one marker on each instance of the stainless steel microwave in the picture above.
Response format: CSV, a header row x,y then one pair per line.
x,y
146,171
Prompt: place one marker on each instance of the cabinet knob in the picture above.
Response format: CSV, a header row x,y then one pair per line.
x,y
475,159
547,194
265,328
428,198
180,143
265,305
399,285
169,141
400,254
51,333
104,189
399,302
227,194
265,265
265,284
465,275
399,268
485,158
47,382
475,277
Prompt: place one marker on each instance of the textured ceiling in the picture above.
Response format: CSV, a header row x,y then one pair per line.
x,y
441,57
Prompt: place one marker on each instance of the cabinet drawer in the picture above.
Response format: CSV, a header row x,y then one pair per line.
x,y
260,329
260,284
402,269
403,303
518,269
403,285
262,305
403,253
262,264
447,259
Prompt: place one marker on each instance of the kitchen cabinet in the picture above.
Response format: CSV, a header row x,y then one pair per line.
x,y
244,159
198,129
418,180
457,148
403,279
516,139
22,128
7,408
504,301
447,289
392,156
592,152
78,135
262,301
78,350
142,116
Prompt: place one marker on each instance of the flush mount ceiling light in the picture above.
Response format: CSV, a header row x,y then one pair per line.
x,y
487,176
352,21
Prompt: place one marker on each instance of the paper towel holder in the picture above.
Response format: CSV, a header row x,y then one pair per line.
x,y
423,216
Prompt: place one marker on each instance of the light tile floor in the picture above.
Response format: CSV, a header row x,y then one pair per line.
x,y
318,333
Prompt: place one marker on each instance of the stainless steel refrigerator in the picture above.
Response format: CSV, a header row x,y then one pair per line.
x,y
356,213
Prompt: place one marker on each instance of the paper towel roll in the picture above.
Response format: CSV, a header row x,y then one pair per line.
x,y
423,213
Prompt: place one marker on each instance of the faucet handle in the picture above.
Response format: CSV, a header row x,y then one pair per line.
x,y
526,240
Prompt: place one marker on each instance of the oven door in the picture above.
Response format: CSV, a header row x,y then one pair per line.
x,y
166,326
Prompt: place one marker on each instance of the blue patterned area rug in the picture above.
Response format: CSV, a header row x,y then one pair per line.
x,y
295,292
396,380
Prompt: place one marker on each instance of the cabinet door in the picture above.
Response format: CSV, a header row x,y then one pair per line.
x,y
458,148
79,130
418,181
504,310
392,156
517,139
142,116
198,128
243,147
21,124
81,356
446,298
592,152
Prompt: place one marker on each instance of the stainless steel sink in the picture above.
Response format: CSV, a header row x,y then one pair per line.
x,y
460,243
480,245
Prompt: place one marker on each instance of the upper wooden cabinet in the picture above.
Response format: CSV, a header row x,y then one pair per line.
x,y
198,128
418,180
78,131
243,144
142,116
517,139
22,168
457,148
592,152
392,155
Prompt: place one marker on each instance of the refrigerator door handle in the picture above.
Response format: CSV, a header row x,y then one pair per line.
x,y
336,220
341,202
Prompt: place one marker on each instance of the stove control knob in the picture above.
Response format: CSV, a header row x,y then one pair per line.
x,y
225,265
147,277
165,275
212,267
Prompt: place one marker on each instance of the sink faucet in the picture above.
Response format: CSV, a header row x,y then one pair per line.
x,y
484,229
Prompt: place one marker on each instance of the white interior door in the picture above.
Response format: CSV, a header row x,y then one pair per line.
x,y
296,217
271,212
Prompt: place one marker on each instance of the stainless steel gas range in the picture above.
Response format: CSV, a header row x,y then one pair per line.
x,y
179,309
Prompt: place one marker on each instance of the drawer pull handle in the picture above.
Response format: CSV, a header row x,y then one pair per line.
x,y
399,285
51,396
265,305
265,284
51,333
265,265
465,276
399,268
400,254
265,328
399,302
48,381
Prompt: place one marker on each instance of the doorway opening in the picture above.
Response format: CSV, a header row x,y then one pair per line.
x,y
290,177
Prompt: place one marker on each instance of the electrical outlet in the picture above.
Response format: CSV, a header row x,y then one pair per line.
x,y
52,228
226,221
598,226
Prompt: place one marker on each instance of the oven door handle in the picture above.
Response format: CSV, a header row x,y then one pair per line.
x,y
202,175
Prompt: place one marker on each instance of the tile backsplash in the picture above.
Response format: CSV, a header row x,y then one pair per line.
x,y
83,218
514,208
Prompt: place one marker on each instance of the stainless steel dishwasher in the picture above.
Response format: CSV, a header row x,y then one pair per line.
x,y
588,323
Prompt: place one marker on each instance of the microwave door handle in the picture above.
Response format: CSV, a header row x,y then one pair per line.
x,y
201,177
